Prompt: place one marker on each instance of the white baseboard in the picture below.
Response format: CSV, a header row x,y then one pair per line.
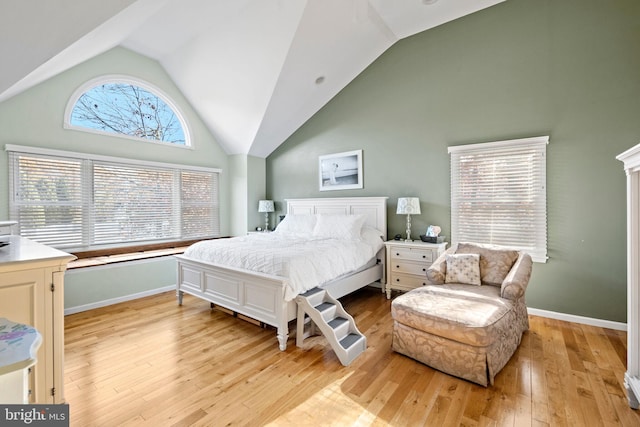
x,y
111,301
579,319
534,311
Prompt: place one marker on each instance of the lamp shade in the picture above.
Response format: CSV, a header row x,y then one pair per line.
x,y
408,205
265,206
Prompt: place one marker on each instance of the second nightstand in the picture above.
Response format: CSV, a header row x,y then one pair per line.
x,y
407,263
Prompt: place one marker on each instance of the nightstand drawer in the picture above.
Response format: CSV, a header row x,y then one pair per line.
x,y
409,267
407,282
412,254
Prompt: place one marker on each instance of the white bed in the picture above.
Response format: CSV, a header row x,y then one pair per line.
x,y
268,297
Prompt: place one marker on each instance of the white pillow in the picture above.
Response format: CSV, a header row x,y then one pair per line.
x,y
346,227
372,235
297,224
463,268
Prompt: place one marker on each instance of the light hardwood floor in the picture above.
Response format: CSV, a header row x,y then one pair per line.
x,y
151,362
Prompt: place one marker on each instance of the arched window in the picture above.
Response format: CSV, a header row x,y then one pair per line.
x,y
126,107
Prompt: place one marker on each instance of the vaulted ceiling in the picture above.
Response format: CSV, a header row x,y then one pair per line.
x,y
255,70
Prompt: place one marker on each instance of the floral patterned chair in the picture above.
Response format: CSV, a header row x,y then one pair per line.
x,y
470,320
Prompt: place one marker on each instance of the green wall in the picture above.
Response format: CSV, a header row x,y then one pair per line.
x,y
569,69
86,287
35,118
238,200
256,190
247,187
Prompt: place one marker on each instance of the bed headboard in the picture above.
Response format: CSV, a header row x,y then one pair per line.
x,y
374,208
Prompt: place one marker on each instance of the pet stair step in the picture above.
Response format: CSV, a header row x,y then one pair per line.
x,y
327,310
315,296
337,322
350,340
340,327
312,291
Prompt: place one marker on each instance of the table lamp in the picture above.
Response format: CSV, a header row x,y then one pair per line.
x,y
266,206
408,206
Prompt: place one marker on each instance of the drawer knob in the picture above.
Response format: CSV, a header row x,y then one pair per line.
x,y
424,269
397,253
397,280
424,256
397,266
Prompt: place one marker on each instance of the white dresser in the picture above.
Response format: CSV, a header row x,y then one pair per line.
x,y
32,292
407,263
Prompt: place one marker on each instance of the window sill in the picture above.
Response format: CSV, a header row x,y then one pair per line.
x,y
131,253
131,256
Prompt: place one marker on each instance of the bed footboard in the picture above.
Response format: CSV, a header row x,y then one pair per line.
x,y
255,295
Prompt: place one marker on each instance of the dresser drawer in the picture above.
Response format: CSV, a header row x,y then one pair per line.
x,y
412,254
403,281
409,267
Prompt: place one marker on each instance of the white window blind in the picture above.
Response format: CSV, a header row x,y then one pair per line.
x,y
132,203
498,194
199,202
76,201
46,198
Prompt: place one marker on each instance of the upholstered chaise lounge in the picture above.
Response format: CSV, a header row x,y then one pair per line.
x,y
469,321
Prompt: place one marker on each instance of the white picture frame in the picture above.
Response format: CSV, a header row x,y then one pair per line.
x,y
340,171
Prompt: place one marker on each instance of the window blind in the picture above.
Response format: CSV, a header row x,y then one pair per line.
x,y
67,201
47,198
132,204
199,203
498,194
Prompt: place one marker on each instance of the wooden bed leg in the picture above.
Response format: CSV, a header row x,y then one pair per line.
x,y
282,340
179,295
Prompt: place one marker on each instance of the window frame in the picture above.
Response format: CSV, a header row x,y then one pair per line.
x,y
539,250
120,78
88,160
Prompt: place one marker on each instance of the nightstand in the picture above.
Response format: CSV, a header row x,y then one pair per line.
x,y
407,263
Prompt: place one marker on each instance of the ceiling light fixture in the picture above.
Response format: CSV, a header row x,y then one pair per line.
x,y
320,80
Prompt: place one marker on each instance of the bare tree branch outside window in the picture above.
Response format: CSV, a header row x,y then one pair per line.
x,y
127,109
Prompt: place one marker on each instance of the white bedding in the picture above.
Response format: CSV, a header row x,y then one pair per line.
x,y
303,262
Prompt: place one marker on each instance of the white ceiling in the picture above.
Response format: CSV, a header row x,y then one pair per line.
x,y
250,68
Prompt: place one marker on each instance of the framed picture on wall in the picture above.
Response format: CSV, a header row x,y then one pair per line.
x,y
340,171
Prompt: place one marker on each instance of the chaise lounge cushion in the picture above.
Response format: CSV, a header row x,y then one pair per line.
x,y
455,312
